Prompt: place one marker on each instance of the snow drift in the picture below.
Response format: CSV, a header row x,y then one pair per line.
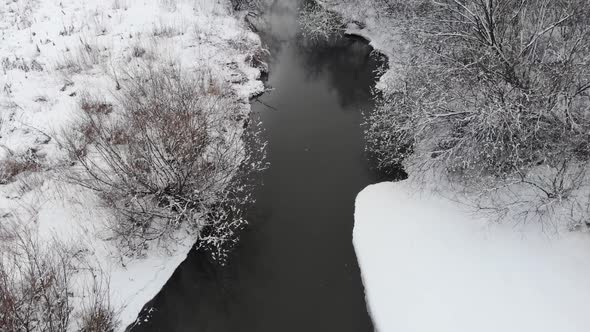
x,y
430,265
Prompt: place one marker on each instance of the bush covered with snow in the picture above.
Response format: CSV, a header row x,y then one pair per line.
x,y
493,96
319,23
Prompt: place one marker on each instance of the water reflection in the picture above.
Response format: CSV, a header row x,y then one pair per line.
x,y
344,64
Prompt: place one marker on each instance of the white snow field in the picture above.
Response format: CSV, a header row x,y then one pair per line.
x,y
53,51
430,265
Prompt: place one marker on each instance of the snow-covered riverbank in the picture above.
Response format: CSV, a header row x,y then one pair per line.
x,y
429,264
55,51
380,32
432,263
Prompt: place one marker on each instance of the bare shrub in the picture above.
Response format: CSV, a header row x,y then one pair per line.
x,y
138,51
14,165
167,157
496,94
97,315
29,183
318,23
98,319
38,286
92,105
34,285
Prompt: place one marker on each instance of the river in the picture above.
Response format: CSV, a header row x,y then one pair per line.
x,y
295,268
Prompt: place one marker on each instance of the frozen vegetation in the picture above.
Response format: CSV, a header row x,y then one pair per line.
x,y
478,105
485,105
121,135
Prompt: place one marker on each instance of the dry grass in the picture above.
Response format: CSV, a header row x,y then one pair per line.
x,y
83,58
166,29
10,63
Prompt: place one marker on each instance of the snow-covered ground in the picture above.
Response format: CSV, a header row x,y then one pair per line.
x,y
428,264
54,51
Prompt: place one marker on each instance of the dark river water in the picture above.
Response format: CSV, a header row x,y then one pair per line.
x,y
295,268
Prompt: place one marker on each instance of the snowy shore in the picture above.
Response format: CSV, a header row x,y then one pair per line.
x,y
54,51
380,32
430,263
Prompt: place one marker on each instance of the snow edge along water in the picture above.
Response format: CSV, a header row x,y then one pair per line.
x,y
39,99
